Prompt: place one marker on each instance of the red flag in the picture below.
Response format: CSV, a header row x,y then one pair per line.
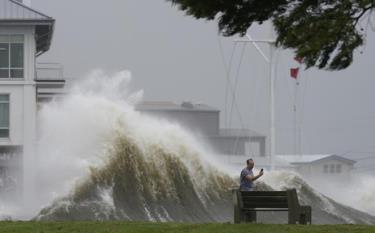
x,y
298,59
294,72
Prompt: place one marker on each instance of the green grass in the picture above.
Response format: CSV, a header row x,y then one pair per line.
x,y
141,227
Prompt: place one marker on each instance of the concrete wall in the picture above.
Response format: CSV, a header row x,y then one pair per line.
x,y
229,146
253,147
200,122
23,107
256,147
207,124
22,92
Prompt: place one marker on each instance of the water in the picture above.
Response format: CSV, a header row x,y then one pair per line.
x,y
326,210
357,191
98,159
120,159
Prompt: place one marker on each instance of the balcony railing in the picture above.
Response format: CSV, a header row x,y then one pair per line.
x,y
49,72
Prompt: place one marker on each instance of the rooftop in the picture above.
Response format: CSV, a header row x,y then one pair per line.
x,y
300,159
240,133
172,106
13,12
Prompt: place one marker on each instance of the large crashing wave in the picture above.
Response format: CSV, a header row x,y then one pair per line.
x,y
325,210
147,184
101,160
153,184
127,165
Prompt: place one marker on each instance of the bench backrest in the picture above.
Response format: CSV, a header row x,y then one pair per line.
x,y
263,199
270,201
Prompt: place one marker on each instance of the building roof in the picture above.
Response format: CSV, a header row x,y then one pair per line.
x,y
304,159
260,161
171,106
337,157
13,12
239,133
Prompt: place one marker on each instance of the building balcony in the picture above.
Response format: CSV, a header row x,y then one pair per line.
x,y
50,81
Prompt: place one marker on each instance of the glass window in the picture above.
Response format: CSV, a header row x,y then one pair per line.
x,y
11,56
325,168
4,39
16,39
4,133
332,168
16,73
4,116
338,168
4,55
16,56
4,98
4,73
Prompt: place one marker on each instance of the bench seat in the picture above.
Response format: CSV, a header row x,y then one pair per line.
x,y
246,204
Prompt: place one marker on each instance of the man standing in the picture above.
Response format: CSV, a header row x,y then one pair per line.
x,y
247,177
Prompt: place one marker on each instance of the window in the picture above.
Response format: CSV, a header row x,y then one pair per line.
x,y
11,56
332,168
4,116
338,168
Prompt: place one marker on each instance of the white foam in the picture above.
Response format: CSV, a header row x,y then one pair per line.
x,y
76,132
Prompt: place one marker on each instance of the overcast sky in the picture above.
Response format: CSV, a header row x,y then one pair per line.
x,y
173,57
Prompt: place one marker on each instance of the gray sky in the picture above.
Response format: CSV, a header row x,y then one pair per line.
x,y
175,57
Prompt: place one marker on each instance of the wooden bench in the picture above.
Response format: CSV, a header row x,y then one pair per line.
x,y
246,204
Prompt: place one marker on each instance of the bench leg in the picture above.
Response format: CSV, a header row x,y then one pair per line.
x,y
305,215
308,215
303,219
237,215
250,216
291,217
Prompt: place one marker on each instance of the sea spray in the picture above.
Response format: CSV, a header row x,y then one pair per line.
x,y
325,210
149,184
357,191
94,132
99,159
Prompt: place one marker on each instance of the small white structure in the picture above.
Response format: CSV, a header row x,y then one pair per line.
x,y
24,34
320,167
317,169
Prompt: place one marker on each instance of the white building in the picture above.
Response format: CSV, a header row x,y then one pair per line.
x,y
320,167
24,35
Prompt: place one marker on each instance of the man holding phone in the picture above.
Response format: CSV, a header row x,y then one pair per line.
x,y
247,177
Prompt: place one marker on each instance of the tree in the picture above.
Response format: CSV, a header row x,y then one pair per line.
x,y
325,33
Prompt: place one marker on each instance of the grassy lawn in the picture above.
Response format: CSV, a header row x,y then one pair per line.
x,y
140,227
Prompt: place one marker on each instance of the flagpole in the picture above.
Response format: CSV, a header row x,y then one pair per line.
x,y
271,63
272,105
297,124
299,120
296,147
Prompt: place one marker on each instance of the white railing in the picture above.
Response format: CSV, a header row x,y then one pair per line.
x,y
49,71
